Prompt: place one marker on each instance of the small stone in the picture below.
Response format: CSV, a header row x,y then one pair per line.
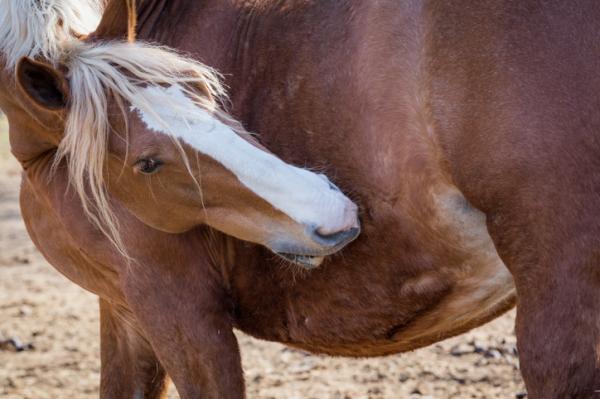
x,y
25,311
15,345
478,347
461,349
424,389
493,354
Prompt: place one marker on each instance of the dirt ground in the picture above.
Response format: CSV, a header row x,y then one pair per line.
x,y
49,346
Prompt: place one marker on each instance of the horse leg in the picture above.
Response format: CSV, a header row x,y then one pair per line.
x,y
557,276
186,322
129,367
208,365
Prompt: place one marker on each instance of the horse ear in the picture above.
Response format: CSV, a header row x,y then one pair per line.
x,y
43,84
118,21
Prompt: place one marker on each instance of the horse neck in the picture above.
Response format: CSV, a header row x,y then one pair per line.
x,y
202,29
230,36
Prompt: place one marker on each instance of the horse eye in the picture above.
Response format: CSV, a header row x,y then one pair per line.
x,y
148,166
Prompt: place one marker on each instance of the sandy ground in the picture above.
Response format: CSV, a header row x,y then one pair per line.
x,y
49,346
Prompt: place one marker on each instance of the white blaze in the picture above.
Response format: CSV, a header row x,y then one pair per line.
x,y
304,196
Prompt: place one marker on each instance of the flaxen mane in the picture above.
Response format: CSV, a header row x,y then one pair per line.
x,y
36,28
121,70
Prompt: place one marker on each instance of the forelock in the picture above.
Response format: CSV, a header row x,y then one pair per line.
x,y
37,28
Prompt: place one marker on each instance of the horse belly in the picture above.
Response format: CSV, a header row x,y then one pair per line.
x,y
467,286
482,286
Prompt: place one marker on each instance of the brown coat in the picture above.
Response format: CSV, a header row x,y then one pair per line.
x,y
466,135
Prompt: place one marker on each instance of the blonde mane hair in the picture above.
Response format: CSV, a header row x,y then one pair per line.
x,y
50,30
121,70
36,28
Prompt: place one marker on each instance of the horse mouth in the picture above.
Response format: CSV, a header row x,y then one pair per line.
x,y
306,261
310,258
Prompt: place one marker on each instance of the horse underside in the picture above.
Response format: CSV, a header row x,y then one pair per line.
x,y
359,304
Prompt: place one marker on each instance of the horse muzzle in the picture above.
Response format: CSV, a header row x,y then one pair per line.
x,y
313,255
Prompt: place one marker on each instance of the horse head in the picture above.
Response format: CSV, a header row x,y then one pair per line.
x,y
145,126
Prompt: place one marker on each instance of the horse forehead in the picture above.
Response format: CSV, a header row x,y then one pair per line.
x,y
143,139
140,135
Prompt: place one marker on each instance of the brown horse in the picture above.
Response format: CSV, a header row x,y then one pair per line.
x,y
166,162
460,131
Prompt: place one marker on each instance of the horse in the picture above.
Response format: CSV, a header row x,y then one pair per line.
x,y
464,134
92,189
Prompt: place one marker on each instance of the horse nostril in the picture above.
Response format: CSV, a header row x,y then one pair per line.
x,y
338,239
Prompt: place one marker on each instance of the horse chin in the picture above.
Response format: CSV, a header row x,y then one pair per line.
x,y
306,261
